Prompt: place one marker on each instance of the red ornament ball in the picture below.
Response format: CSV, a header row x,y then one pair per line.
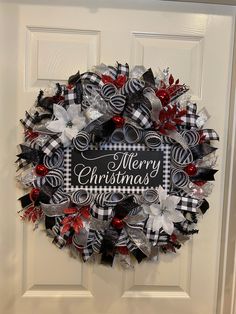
x,y
117,223
41,170
119,121
191,169
164,96
34,194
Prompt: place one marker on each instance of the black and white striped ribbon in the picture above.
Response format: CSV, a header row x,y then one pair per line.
x,y
181,157
59,196
81,141
191,137
54,161
132,86
55,177
101,198
152,139
81,197
149,196
38,182
117,136
114,198
108,90
179,178
132,134
116,104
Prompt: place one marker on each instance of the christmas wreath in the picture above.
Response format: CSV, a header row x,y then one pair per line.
x,y
116,163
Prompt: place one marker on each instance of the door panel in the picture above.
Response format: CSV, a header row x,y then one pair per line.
x,y
53,42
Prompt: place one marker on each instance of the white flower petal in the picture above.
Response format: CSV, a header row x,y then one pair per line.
x,y
65,140
155,209
71,132
176,216
167,225
157,223
146,209
161,193
172,201
79,121
73,112
56,126
60,113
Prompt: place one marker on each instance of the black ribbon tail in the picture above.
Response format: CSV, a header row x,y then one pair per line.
x,y
25,200
204,206
139,255
30,154
204,174
108,249
149,78
123,208
201,150
45,194
73,79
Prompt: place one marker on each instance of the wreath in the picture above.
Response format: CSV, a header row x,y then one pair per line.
x,y
137,208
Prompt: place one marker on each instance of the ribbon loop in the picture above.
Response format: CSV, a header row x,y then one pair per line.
x,y
181,157
152,139
81,197
81,141
179,178
132,134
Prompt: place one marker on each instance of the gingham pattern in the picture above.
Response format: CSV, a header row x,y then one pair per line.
x,y
191,108
141,115
70,96
92,78
210,134
60,239
52,145
165,148
189,120
188,204
120,69
151,235
28,121
102,213
123,69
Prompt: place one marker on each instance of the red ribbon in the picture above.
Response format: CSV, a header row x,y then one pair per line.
x,y
119,82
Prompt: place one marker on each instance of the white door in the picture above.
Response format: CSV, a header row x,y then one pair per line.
x,y
50,42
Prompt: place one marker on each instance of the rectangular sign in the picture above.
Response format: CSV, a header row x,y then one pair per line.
x,y
124,168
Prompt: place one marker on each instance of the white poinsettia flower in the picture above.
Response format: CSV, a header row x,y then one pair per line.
x,y
164,214
68,122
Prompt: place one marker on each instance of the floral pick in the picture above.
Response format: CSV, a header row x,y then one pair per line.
x,y
68,122
164,214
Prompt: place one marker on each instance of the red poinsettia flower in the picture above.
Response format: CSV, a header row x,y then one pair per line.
x,y
169,119
74,219
119,82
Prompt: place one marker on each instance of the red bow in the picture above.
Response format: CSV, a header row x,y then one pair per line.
x,y
119,82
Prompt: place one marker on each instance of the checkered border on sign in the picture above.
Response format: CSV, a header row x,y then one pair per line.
x,y
165,148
